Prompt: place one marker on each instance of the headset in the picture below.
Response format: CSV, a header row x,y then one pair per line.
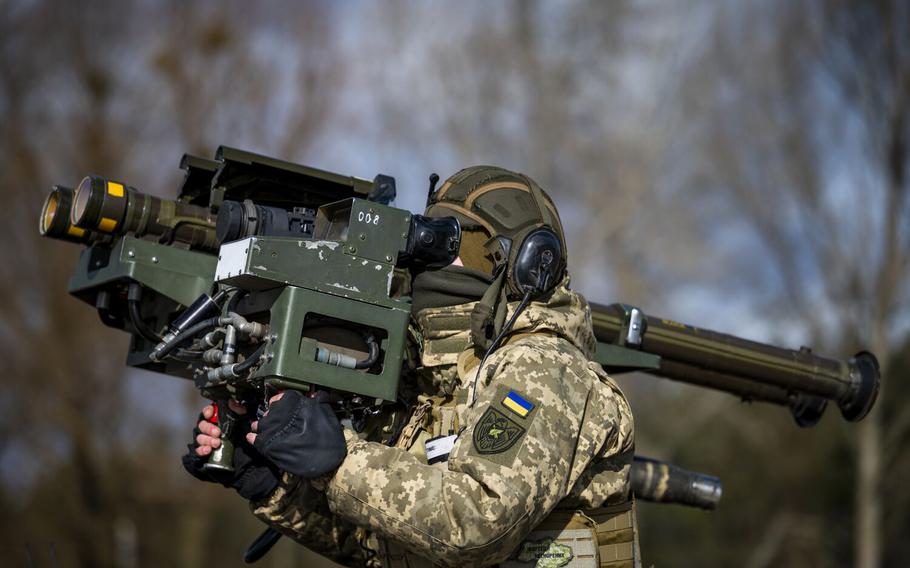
x,y
535,267
537,264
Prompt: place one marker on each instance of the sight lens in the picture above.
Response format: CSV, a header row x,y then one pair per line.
x,y
49,212
83,197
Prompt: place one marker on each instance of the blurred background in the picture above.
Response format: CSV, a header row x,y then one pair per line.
x,y
740,166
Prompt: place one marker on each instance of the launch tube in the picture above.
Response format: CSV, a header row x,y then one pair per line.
x,y
747,368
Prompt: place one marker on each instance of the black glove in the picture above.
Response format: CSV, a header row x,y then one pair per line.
x,y
302,435
253,476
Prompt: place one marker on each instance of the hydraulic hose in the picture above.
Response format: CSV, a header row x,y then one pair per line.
x,y
235,300
372,357
249,362
237,370
165,349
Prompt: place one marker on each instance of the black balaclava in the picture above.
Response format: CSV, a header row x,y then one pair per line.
x,y
449,286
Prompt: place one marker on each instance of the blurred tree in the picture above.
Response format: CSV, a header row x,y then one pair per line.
x,y
122,89
799,117
549,92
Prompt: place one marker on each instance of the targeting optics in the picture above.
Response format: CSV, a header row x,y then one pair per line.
x,y
238,220
114,208
431,242
55,220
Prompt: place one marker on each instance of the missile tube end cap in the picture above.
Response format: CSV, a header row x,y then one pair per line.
x,y
868,379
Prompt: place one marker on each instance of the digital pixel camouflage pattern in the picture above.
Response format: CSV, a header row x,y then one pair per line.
x,y
549,432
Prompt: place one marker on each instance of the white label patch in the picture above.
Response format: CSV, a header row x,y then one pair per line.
x,y
438,449
232,258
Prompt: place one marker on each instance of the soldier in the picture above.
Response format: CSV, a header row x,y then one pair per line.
x,y
515,448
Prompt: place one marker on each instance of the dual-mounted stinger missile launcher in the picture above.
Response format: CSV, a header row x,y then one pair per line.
x,y
148,259
264,275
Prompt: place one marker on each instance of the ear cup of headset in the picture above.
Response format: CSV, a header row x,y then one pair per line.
x,y
537,265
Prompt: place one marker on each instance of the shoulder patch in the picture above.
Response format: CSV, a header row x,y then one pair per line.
x,y
517,404
496,432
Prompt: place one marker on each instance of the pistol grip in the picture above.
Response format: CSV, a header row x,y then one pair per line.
x,y
222,458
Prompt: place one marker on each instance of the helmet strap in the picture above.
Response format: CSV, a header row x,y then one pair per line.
x,y
489,314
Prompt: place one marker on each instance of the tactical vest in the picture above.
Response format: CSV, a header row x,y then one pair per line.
x,y
605,537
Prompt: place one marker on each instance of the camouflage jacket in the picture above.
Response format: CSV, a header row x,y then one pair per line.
x,y
548,429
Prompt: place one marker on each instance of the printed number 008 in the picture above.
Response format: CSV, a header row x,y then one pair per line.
x,y
368,218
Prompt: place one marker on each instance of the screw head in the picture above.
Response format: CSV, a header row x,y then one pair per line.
x,y
155,259
131,254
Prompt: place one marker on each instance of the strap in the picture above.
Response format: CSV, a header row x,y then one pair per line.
x,y
489,314
414,425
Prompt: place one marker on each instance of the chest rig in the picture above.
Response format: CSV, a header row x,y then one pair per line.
x,y
604,537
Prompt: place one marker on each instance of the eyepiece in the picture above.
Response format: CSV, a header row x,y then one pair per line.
x,y
433,242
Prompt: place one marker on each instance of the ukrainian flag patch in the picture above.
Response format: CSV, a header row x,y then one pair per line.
x,y
517,404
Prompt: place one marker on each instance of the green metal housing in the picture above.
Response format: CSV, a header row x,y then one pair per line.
x,y
172,279
343,275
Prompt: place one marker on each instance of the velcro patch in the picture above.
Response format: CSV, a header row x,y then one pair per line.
x,y
517,404
496,433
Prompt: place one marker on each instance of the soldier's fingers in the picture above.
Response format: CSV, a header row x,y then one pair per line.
x,y
204,440
203,450
209,429
208,412
276,398
251,438
254,426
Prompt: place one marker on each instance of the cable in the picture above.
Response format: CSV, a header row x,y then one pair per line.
x,y
505,329
250,361
183,336
235,300
103,304
133,300
374,353
259,547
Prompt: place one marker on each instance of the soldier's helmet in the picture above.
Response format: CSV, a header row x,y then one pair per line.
x,y
497,209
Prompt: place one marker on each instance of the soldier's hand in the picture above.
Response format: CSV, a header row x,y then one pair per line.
x,y
253,476
300,434
208,436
